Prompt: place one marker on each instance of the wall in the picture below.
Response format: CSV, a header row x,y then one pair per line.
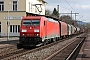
x,y
3,21
31,8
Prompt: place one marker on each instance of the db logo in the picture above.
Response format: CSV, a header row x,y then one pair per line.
x,y
30,27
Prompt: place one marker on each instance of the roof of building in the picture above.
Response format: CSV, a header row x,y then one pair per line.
x,y
42,1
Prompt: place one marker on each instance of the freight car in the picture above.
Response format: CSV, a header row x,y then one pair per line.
x,y
77,30
69,30
64,29
41,30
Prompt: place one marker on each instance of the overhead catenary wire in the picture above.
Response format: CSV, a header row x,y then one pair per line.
x,y
78,10
72,7
69,4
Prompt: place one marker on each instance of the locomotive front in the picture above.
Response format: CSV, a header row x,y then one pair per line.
x,y
30,31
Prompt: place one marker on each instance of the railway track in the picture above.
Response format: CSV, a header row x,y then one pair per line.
x,y
7,48
69,52
74,53
39,53
10,53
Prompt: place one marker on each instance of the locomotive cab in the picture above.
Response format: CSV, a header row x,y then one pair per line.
x,y
30,31
30,28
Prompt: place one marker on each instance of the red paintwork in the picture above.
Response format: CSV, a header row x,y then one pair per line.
x,y
30,32
64,28
50,28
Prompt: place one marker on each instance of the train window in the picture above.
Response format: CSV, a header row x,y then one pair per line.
x,y
35,22
14,28
31,22
27,22
44,23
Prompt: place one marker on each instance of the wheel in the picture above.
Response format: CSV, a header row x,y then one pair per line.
x,y
54,39
45,42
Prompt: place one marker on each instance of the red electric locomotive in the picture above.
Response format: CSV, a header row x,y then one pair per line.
x,y
37,30
40,30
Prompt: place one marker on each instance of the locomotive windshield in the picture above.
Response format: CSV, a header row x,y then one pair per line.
x,y
31,22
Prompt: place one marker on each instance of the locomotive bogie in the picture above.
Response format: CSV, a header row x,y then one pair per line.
x,y
30,41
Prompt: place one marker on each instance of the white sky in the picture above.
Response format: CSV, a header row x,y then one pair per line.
x,y
76,6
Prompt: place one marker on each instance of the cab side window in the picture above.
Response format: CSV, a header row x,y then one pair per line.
x,y
44,23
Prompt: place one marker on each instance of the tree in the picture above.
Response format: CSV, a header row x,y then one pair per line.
x,y
48,12
68,19
88,25
55,13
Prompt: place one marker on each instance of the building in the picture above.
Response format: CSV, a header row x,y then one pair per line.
x,y
15,9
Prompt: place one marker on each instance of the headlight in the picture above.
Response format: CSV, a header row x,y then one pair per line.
x,y
37,34
36,30
23,30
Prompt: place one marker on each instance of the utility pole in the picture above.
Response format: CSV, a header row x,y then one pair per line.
x,y
58,9
8,23
75,16
71,14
